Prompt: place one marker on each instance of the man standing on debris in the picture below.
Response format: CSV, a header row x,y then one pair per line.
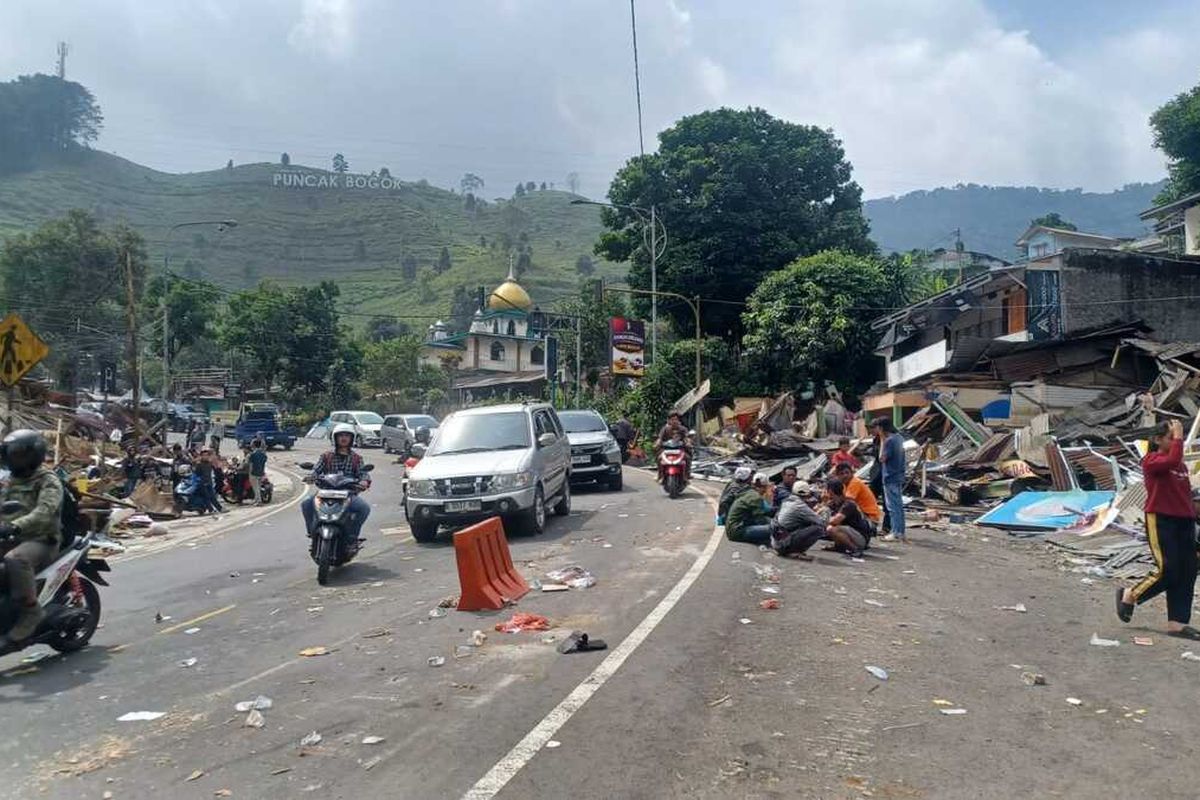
x,y
891,458
1171,531
204,470
859,492
750,515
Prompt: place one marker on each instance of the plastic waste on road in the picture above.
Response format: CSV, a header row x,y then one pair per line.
x,y
1096,641
254,719
435,661
311,739
878,672
522,621
260,703
141,716
573,576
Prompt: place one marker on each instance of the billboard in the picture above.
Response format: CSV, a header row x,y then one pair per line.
x,y
628,337
1045,305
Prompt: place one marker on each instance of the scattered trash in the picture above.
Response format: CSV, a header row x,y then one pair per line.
x,y
141,716
371,763
1033,679
770,604
223,793
1087,581
522,621
315,609
373,740
1019,608
435,661
736,556
463,651
579,642
1144,641
310,652
745,620
953,712
478,638
1075,701
1188,655
909,572
160,618
196,775
1096,641
191,631
554,587
840,590
573,576
937,701
281,771
375,633
450,601
719,701
235,574
878,672
553,743
311,739
436,612
254,719
767,572
769,589
260,703
876,603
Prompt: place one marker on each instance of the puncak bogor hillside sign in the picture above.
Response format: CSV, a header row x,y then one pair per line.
x,y
290,179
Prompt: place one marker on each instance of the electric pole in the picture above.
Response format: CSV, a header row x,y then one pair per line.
x,y
63,49
131,321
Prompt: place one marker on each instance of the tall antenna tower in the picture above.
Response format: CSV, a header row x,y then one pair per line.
x,y
63,49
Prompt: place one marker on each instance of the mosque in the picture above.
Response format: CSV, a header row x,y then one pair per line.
x,y
499,354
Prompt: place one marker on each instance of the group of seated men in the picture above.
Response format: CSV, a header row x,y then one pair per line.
x,y
790,517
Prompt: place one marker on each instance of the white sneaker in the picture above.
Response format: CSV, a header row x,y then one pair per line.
x,y
891,537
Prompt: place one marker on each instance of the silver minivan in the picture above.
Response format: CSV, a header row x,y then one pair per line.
x,y
399,431
511,461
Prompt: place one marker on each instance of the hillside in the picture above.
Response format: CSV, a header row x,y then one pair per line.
x,y
993,217
358,237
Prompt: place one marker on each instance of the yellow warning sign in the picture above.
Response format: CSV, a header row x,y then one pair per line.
x,y
20,349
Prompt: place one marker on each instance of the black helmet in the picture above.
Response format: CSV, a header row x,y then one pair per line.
x,y
23,451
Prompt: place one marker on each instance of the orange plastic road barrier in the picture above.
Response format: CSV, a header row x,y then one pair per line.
x,y
486,575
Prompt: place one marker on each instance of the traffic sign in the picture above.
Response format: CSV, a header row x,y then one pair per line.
x,y
20,349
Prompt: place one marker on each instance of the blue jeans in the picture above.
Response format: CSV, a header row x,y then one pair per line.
x,y
757,534
893,496
356,515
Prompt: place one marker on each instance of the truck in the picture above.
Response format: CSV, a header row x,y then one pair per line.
x,y
261,420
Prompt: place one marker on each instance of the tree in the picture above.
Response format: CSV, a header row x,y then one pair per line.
x,y
573,182
44,115
593,328
340,164
463,304
285,159
425,288
1177,133
390,367
542,186
1053,220
584,265
471,183
192,308
524,262
530,186
443,262
380,329
469,202
384,172
229,165
741,194
520,190
809,321
408,267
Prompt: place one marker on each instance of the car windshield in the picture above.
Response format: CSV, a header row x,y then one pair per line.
x,y
368,418
479,433
582,422
415,422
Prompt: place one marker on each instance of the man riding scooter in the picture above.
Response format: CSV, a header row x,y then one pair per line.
x,y
28,538
674,431
341,459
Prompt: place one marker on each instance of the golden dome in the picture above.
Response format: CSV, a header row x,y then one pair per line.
x,y
510,296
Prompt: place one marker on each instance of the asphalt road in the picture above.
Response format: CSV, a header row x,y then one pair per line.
x,y
250,597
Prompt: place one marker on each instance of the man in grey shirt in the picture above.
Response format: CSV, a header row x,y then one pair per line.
x,y
891,459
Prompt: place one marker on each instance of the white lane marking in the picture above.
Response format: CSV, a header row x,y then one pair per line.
x,y
523,752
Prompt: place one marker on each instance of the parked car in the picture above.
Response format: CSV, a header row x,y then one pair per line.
x,y
399,431
511,461
595,454
366,426
261,421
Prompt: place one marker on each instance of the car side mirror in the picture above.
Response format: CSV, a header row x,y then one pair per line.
x,y
419,450
11,507
423,435
305,465
547,439
368,467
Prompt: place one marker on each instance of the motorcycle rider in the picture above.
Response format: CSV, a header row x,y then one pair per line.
x,y
341,459
674,431
30,537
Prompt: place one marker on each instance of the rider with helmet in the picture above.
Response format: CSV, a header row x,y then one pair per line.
x,y
341,459
29,538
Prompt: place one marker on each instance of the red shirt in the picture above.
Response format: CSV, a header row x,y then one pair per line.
x,y
839,456
1168,490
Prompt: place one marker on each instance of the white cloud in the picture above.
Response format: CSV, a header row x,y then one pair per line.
x,y
713,78
325,27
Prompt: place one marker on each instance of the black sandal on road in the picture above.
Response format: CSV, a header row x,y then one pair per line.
x,y
1124,610
1186,632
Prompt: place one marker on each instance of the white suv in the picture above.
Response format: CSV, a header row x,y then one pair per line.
x,y
511,461
366,426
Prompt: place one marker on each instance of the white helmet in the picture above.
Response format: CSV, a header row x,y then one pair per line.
x,y
342,427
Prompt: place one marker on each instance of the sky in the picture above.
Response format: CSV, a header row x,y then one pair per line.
x,y
923,93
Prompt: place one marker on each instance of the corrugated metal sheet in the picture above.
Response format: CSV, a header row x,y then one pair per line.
x,y
1030,399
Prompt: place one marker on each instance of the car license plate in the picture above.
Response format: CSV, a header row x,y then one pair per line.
x,y
464,505
584,460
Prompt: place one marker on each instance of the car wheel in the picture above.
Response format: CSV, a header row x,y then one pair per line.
x,y
424,532
563,507
617,482
533,521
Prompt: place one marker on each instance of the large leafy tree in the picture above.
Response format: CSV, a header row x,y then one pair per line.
x,y
44,114
392,369
594,315
1053,220
192,308
741,195
1177,133
809,321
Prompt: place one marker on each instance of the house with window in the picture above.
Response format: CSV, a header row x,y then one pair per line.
x,y
501,353
1178,225
1040,242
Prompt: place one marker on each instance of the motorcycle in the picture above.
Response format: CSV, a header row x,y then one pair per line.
x,y
237,488
66,592
674,467
187,496
328,546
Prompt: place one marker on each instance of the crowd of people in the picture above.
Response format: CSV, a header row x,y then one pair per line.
x,y
203,464
844,511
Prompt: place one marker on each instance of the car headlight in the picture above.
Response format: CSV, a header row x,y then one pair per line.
x,y
421,489
611,446
512,480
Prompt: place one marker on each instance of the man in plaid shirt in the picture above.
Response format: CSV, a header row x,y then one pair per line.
x,y
344,461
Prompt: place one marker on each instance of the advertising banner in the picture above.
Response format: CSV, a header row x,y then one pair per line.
x,y
1045,305
628,337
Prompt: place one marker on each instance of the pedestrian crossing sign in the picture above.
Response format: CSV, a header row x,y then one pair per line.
x,y
20,349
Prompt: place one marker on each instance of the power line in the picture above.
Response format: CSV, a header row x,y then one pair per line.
x,y
637,77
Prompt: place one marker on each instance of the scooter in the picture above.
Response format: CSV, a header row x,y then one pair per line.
x,y
328,547
187,495
66,592
237,488
673,467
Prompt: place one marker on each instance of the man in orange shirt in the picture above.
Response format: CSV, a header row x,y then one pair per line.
x,y
859,492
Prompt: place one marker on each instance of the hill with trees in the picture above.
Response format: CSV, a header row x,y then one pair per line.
x,y
992,217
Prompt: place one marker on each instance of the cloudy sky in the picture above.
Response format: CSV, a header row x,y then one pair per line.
x,y
923,92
